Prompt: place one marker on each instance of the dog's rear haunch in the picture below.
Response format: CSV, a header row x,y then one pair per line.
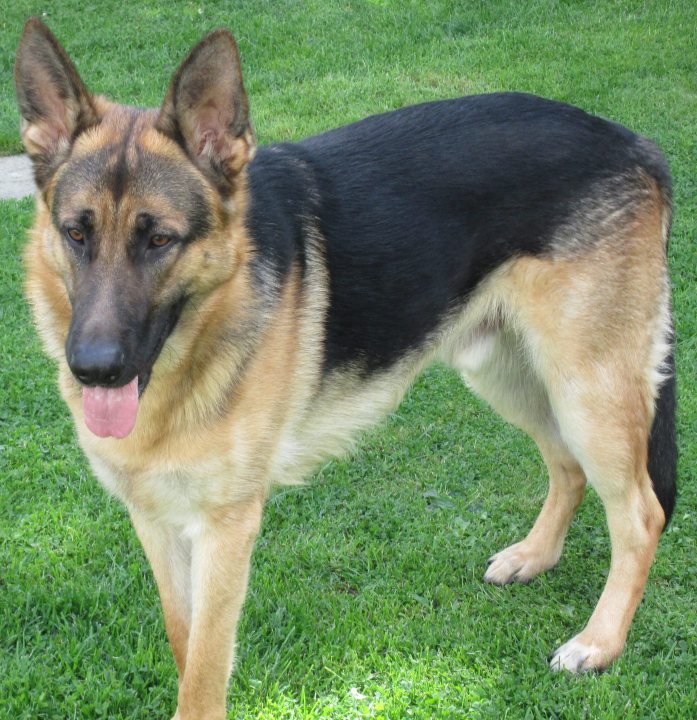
x,y
224,318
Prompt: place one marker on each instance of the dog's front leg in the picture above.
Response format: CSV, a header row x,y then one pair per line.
x,y
169,553
221,550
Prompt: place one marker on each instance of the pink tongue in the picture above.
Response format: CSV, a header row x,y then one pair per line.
x,y
111,412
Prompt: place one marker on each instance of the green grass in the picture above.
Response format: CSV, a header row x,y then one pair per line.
x,y
366,598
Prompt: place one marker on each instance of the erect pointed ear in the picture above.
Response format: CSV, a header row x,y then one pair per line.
x,y
207,113
53,101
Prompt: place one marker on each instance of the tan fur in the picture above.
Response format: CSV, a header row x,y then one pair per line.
x,y
547,341
588,326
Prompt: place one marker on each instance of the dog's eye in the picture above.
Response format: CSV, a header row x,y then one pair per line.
x,y
160,241
76,236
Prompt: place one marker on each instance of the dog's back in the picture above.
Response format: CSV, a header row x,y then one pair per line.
x,y
418,205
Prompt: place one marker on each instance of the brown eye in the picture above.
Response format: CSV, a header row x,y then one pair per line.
x,y
159,240
76,236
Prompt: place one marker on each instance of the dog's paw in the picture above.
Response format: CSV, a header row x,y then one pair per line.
x,y
517,563
578,656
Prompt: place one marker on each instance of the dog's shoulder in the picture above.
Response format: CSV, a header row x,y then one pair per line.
x,y
283,205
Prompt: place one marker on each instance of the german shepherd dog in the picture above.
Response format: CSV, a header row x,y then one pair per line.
x,y
225,317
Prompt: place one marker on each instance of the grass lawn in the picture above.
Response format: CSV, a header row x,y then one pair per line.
x,y
366,598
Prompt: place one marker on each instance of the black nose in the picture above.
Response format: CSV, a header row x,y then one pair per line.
x,y
98,363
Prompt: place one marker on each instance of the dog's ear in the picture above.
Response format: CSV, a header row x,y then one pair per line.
x,y
54,104
207,113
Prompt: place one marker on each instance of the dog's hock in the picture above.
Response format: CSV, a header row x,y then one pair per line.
x,y
54,103
206,110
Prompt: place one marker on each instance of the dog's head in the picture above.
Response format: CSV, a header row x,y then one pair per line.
x,y
138,204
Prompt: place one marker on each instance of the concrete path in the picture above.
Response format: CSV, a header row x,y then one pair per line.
x,y
16,177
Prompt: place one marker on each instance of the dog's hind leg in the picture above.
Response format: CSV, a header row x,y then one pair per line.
x,y
543,545
493,363
612,446
597,328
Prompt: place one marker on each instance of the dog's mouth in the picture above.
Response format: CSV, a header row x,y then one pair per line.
x,y
113,411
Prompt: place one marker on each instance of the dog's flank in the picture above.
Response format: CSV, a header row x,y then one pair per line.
x,y
224,319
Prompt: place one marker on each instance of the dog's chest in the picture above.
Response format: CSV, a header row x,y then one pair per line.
x,y
179,495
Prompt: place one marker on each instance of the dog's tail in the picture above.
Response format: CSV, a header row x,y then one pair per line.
x,y
663,449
